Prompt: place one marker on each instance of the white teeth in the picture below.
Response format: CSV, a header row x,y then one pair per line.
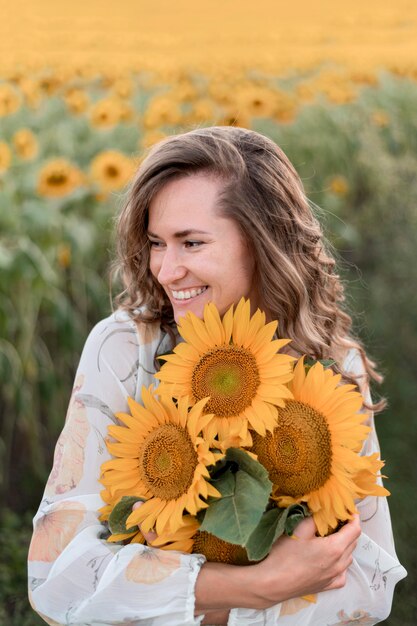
x,y
187,295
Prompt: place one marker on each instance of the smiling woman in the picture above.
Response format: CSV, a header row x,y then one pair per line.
x,y
210,260
212,216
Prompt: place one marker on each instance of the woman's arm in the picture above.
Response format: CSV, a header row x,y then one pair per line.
x,y
75,576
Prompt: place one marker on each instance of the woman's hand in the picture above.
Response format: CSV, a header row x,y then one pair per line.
x,y
307,564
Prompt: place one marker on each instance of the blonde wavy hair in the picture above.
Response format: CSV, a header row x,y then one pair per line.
x,y
263,194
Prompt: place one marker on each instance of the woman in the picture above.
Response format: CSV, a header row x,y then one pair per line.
x,y
213,215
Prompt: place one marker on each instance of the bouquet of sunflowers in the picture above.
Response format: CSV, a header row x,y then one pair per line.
x,y
238,443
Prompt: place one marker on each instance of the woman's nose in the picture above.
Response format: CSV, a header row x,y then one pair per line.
x,y
170,269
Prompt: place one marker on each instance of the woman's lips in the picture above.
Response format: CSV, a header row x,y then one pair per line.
x,y
185,295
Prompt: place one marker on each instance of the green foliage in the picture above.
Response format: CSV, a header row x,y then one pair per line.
x,y
245,489
14,543
272,525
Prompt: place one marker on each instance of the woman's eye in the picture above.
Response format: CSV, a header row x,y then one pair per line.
x,y
193,244
155,244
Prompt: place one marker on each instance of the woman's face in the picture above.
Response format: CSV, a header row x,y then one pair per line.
x,y
197,255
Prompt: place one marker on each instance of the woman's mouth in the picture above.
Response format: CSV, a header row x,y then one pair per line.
x,y
188,294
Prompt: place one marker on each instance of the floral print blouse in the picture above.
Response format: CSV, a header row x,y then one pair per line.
x,y
77,578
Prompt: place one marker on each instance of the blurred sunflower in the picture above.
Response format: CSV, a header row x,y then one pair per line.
x,y
50,82
31,91
10,100
364,76
161,458
25,144
64,255
285,107
5,156
312,456
162,111
151,137
126,111
221,92
339,185
123,87
202,112
106,113
257,101
234,117
234,363
77,100
380,118
305,92
58,178
185,91
111,170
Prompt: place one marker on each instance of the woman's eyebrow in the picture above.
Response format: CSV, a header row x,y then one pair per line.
x,y
182,233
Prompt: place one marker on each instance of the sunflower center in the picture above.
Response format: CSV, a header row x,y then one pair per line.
x,y
229,375
219,551
298,454
167,461
112,171
57,179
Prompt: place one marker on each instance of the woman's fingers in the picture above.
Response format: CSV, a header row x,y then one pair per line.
x,y
347,536
149,536
305,529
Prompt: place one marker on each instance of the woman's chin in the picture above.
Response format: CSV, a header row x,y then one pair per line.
x,y
194,305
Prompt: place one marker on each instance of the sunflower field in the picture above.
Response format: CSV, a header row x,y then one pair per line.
x,y
86,90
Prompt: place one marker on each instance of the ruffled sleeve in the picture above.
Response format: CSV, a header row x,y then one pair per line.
x,y
366,598
75,576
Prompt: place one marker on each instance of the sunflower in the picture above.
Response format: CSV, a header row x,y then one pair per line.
x,y
257,100
161,458
339,185
76,100
5,156
58,178
25,144
111,170
313,454
105,113
218,551
10,100
123,87
182,539
234,362
162,111
30,89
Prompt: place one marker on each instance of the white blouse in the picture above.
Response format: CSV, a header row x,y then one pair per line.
x,y
77,578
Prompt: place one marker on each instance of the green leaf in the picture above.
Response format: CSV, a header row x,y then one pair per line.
x,y
247,463
309,362
245,489
120,513
272,525
296,514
